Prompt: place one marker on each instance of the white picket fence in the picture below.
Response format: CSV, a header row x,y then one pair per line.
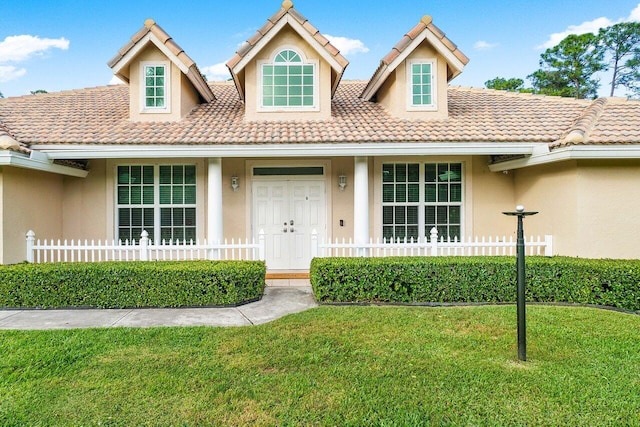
x,y
434,246
143,250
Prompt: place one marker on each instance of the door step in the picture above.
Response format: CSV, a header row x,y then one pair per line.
x,y
286,276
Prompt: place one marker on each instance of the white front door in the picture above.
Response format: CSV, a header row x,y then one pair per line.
x,y
288,211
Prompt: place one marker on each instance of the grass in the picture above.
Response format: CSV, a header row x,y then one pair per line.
x,y
387,366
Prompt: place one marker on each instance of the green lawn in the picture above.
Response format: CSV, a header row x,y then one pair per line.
x,y
388,366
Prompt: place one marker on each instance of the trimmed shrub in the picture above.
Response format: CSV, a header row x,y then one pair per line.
x,y
131,284
613,283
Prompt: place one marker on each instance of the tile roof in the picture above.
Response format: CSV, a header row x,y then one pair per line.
x,y
8,142
266,31
150,27
420,32
100,116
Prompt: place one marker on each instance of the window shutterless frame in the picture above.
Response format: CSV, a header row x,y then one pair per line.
x,y
160,199
155,87
422,85
417,196
288,82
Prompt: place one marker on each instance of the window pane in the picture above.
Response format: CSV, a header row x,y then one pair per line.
x,y
401,193
123,195
414,192
190,194
443,193
442,214
190,234
190,174
430,195
165,194
414,172
124,217
147,174
400,215
430,215
136,195
136,175
165,217
387,214
178,216
165,174
456,192
412,215
387,173
430,172
190,217
136,217
178,174
388,193
454,215
147,195
401,173
177,195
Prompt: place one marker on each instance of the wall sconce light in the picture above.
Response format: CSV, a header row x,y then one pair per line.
x,y
235,183
342,182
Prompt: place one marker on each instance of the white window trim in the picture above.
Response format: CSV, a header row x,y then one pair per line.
x,y
434,85
167,87
305,61
465,204
112,195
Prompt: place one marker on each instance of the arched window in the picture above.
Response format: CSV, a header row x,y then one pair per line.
x,y
288,82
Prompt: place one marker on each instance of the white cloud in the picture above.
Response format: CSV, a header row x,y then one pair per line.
x,y
483,45
347,46
588,27
21,48
9,72
217,72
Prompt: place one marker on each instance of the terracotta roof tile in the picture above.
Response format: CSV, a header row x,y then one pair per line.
x,y
400,49
286,10
100,116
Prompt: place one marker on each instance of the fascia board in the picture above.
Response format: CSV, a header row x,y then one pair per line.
x,y
286,150
570,153
141,44
9,158
302,32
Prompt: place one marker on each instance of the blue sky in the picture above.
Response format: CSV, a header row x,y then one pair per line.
x,y
65,44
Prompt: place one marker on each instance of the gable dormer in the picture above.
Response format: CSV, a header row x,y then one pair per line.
x,y
287,70
411,81
164,83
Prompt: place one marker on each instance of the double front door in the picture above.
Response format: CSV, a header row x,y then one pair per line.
x,y
288,211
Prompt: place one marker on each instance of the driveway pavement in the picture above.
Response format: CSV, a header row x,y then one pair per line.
x,y
275,303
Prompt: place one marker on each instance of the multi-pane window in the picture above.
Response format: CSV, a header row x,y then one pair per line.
x,y
155,86
400,200
419,196
158,199
288,82
422,79
443,199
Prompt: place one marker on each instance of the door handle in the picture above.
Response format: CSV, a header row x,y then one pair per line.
x,y
291,222
284,229
291,229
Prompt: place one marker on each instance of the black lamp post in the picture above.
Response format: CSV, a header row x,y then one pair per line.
x,y
522,315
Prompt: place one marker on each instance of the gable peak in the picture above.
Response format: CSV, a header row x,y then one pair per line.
x,y
426,19
287,4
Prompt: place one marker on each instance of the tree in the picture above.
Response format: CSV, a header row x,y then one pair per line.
x,y
1,95
35,92
568,68
511,85
622,42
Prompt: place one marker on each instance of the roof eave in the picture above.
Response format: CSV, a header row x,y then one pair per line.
x,y
37,161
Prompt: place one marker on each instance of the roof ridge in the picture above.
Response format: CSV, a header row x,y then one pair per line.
x,y
578,133
519,94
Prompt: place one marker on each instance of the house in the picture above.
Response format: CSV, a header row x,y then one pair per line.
x,y
288,147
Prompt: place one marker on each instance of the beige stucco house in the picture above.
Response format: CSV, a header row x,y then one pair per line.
x,y
288,147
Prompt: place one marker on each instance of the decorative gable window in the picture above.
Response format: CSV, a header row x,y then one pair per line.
x,y
421,84
155,87
289,82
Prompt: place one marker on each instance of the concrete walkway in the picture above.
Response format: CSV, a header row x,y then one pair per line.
x,y
276,302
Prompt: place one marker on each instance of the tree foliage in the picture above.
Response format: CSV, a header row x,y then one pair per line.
x,y
568,68
1,95
500,83
621,44
35,92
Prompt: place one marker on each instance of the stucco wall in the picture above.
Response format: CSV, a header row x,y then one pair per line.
x,y
287,38
182,96
551,190
31,200
608,207
393,94
85,204
234,219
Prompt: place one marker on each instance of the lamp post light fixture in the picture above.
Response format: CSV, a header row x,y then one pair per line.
x,y
521,302
235,183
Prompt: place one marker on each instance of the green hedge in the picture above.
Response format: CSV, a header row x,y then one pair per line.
x,y
131,284
613,283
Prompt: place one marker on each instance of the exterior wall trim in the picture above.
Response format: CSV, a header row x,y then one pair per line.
x,y
584,152
39,162
288,150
